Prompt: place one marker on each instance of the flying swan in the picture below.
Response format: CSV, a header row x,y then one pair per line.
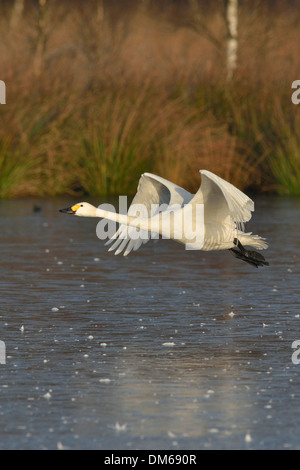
x,y
167,208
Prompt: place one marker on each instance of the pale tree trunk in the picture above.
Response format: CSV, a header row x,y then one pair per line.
x,y
16,14
232,40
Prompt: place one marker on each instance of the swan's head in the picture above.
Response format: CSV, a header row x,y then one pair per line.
x,y
83,209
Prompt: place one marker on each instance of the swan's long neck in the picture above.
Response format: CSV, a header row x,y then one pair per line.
x,y
163,223
121,218
168,223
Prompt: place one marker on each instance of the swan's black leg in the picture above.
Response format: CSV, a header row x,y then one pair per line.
x,y
237,243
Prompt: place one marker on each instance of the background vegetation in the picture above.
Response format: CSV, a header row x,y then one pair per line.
x,y
100,91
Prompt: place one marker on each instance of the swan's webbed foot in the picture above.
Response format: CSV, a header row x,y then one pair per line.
x,y
251,257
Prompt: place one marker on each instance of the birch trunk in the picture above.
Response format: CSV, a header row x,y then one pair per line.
x,y
232,40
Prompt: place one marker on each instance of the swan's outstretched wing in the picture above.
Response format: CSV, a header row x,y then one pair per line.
x,y
152,191
223,201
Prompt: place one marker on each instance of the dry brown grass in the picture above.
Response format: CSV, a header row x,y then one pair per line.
x,y
94,101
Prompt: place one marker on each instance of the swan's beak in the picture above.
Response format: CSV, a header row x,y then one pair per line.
x,y
69,210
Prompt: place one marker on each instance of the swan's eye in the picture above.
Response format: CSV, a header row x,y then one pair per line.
x,y
81,205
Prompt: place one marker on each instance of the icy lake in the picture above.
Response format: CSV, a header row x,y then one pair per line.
x,y
163,349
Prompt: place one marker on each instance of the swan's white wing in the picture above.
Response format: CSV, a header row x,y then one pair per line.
x,y
178,195
222,200
152,190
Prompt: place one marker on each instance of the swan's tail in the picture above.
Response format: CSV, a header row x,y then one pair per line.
x,y
254,241
251,257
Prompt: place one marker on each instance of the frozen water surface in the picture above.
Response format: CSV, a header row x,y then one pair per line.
x,y
164,349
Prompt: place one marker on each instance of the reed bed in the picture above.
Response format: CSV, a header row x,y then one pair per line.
x,y
98,94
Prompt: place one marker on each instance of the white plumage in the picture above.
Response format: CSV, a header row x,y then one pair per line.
x,y
226,209
152,191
